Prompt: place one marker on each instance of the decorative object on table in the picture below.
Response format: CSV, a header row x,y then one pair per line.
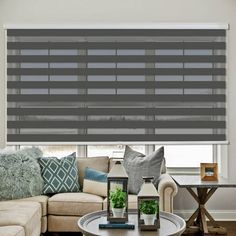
x,y
171,224
95,182
20,175
117,194
59,175
107,225
148,206
209,171
138,165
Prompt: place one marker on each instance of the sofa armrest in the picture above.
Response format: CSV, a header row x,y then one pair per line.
x,y
167,189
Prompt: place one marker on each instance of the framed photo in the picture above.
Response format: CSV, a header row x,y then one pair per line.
x,y
209,171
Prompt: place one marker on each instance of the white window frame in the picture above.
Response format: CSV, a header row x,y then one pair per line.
x,y
220,156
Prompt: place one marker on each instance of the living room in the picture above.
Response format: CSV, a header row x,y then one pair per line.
x,y
182,155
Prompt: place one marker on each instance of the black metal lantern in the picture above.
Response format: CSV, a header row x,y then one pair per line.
x,y
148,206
117,194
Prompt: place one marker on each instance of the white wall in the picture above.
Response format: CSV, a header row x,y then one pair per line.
x,y
66,12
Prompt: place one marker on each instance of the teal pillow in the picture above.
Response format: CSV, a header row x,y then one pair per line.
x,y
95,182
59,175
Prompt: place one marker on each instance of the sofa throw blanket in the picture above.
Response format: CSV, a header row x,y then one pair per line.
x,y
20,174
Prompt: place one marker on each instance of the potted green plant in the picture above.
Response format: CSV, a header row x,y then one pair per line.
x,y
118,199
148,209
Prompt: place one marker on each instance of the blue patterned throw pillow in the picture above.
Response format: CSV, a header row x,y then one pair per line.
x,y
59,175
95,182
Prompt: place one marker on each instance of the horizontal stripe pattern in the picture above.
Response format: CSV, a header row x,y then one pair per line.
x,y
114,85
115,32
112,138
117,71
115,59
116,124
116,111
117,98
119,45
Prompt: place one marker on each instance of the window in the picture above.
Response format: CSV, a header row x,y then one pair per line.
x,y
188,155
177,156
56,151
115,151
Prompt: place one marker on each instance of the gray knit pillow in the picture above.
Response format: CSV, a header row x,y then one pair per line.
x,y
138,165
20,174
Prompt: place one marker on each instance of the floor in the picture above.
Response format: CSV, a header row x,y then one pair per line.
x,y
229,225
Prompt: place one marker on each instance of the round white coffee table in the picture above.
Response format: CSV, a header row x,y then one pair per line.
x,y
170,224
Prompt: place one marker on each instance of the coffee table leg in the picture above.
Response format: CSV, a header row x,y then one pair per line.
x,y
198,219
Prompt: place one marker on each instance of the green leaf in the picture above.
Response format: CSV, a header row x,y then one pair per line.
x,y
149,207
117,198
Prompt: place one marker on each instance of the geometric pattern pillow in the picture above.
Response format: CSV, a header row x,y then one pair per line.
x,y
59,175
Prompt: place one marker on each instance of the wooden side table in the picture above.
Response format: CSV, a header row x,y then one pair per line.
x,y
170,224
205,189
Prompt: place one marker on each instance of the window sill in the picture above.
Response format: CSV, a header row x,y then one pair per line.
x,y
183,170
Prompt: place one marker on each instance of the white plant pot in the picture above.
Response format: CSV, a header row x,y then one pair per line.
x,y
118,212
149,219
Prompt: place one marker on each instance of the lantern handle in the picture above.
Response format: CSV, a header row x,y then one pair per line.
x,y
148,179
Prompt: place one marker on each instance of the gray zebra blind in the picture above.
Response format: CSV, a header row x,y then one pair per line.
x,y
116,85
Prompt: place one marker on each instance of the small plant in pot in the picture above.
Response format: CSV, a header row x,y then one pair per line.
x,y
117,199
149,209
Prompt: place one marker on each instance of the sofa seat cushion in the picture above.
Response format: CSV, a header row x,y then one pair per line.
x,y
63,224
74,204
132,202
12,231
25,214
42,199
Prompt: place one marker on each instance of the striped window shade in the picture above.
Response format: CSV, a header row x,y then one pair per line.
x,y
116,85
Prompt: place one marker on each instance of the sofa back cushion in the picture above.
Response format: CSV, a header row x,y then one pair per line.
x,y
97,163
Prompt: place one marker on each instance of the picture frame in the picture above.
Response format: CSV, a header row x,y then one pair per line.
x,y
209,171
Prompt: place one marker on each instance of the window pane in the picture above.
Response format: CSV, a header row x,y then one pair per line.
x,y
188,155
56,151
111,150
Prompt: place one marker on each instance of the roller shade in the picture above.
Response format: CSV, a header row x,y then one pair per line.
x,y
116,85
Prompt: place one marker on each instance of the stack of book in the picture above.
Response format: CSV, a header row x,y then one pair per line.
x,y
108,225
